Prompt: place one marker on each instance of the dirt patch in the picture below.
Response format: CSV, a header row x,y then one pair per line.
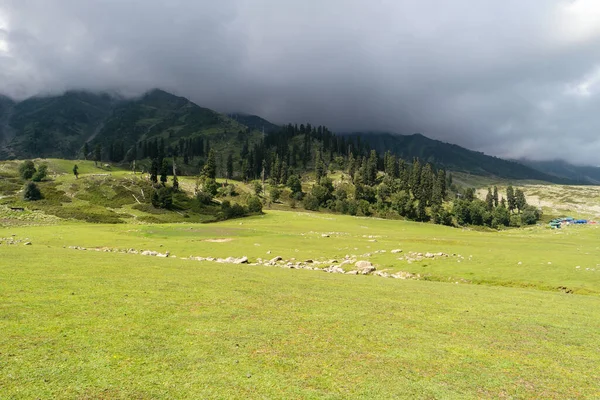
x,y
224,240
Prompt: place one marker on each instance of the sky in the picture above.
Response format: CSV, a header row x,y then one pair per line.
x,y
511,78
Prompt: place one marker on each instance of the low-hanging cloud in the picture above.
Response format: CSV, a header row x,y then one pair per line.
x,y
511,78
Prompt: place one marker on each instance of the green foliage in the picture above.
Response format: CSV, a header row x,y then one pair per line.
x,y
254,205
27,169
530,215
162,198
76,171
294,184
164,171
210,168
31,192
510,198
40,174
311,203
274,193
257,187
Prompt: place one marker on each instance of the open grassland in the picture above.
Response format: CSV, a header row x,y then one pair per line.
x,y
94,324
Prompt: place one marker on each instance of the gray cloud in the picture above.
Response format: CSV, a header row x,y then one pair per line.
x,y
510,78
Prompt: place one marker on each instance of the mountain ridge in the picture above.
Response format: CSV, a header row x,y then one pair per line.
x,y
59,126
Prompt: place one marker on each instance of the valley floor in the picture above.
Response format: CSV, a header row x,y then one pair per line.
x,y
505,314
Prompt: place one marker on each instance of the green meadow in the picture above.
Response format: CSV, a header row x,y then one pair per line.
x,y
509,314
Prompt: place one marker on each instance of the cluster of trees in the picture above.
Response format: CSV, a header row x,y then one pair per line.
x,y
400,189
28,172
380,185
492,212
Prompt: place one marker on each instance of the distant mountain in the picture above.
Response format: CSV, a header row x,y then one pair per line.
x,y
452,157
255,122
58,126
564,170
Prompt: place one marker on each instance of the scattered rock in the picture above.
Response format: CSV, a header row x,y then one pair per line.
x,y
325,235
364,267
27,243
274,260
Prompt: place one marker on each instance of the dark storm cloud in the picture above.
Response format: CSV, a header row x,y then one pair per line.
x,y
510,78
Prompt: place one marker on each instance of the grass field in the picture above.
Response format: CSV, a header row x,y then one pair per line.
x,y
509,314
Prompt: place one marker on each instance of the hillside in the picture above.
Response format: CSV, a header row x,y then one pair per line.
x,y
565,170
127,129
453,157
59,126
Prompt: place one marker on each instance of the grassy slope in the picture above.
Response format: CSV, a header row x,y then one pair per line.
x,y
104,325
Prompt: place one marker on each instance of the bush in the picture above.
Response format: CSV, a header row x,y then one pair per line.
x,y
311,203
163,198
275,193
32,192
294,184
27,169
254,205
41,174
530,215
204,198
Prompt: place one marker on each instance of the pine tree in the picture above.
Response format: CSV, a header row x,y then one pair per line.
x,y
229,166
415,177
371,168
76,171
164,171
154,170
425,191
351,165
86,150
210,168
510,198
489,200
438,194
319,167
520,201
495,196
98,154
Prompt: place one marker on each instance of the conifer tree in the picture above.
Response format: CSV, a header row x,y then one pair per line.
x,y
495,196
229,166
510,198
210,168
164,171
154,170
489,200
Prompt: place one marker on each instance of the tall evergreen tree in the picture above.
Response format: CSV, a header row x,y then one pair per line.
x,y
154,167
510,198
319,167
86,151
489,200
210,168
164,171
229,166
98,154
495,196
520,201
371,169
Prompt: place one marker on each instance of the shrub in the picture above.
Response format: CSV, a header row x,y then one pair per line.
x,y
254,205
40,174
311,203
32,192
274,193
530,215
163,198
27,169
